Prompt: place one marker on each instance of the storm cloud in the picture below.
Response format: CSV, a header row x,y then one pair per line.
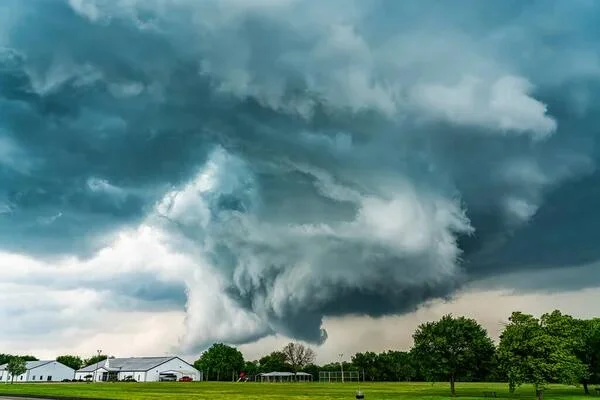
x,y
293,160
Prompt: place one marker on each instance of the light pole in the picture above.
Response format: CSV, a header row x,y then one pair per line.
x,y
342,366
97,364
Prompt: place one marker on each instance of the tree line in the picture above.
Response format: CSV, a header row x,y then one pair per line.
x,y
224,363
555,348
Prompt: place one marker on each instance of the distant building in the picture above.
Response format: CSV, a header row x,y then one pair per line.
x,y
285,377
141,369
39,371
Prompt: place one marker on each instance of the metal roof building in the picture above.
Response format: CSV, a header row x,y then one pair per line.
x,y
39,371
285,377
141,369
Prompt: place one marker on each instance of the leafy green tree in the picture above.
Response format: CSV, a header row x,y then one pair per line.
x,y
532,352
311,369
251,368
581,338
94,360
494,373
16,366
74,362
367,365
333,367
221,361
452,347
5,358
395,366
276,361
592,350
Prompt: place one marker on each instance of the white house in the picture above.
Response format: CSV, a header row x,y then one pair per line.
x,y
142,369
39,371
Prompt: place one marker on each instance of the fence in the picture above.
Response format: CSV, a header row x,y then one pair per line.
x,y
338,376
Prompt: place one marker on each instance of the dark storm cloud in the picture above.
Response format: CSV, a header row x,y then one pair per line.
x,y
323,160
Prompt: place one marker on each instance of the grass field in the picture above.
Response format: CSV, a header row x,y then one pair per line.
x,y
274,391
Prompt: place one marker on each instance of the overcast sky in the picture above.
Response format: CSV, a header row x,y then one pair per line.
x,y
175,173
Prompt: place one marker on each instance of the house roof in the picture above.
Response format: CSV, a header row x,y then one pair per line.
x,y
28,364
285,374
179,371
278,374
128,364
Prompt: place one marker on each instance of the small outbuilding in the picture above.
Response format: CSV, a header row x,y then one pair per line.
x,y
140,369
303,377
39,371
285,377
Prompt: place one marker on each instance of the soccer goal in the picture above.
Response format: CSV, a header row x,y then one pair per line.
x,y
338,376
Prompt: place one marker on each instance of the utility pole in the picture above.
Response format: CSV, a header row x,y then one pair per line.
x,y
97,364
342,366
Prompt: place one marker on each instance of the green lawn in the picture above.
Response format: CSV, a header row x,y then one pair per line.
x,y
273,391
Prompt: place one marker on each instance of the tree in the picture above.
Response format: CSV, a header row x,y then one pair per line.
x,y
5,358
74,362
592,349
94,359
276,361
367,364
298,356
221,361
581,338
251,368
16,366
311,369
452,347
395,366
530,351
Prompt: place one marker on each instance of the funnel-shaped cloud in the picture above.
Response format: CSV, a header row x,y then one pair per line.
x,y
299,160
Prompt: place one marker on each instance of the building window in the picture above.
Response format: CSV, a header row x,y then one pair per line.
x,y
49,378
41,377
33,378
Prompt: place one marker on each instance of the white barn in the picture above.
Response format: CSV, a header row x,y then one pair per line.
x,y
142,369
39,371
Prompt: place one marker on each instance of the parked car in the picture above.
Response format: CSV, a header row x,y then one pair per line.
x,y
168,378
185,379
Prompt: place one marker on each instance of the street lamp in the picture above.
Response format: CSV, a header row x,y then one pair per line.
x,y
342,366
97,365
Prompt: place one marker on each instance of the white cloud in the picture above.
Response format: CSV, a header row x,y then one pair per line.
x,y
329,51
503,105
76,295
74,303
87,8
325,50
13,157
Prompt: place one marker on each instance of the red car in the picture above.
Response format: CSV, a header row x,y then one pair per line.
x,y
185,379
